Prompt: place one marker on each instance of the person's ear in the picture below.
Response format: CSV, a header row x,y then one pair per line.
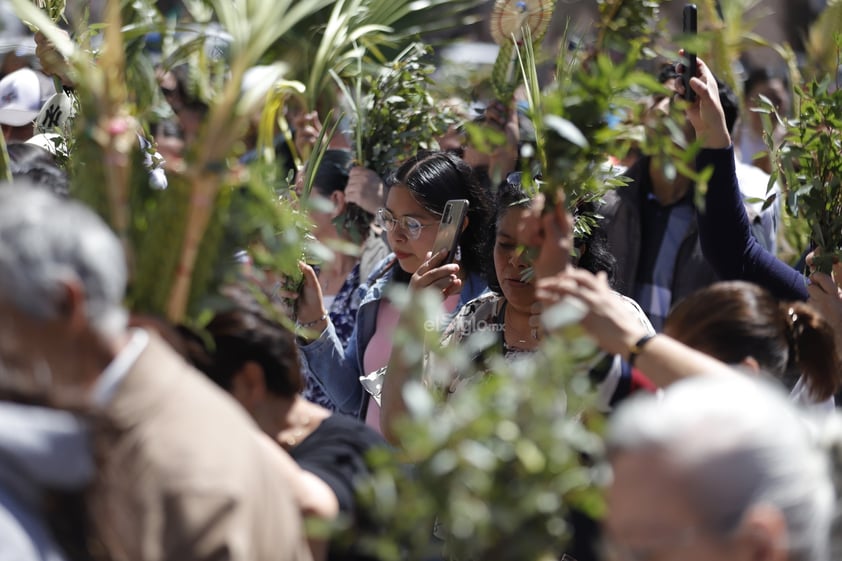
x,y
248,386
763,534
337,199
70,304
465,225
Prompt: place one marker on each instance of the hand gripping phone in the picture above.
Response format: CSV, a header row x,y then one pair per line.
x,y
450,228
690,28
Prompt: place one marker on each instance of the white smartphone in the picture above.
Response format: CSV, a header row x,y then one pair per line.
x,y
450,228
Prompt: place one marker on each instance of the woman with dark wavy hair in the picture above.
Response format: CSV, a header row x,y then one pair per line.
x,y
416,197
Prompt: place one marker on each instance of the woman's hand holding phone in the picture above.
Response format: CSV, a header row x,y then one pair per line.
x,y
439,269
435,272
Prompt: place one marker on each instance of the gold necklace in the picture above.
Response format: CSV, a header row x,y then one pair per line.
x,y
533,333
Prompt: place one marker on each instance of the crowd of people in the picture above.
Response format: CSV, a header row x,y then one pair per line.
x,y
127,438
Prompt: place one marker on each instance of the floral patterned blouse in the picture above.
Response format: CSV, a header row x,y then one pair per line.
x,y
343,315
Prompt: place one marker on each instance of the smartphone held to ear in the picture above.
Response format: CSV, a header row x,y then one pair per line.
x,y
690,28
450,228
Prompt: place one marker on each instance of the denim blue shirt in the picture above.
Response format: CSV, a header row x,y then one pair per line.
x,y
337,368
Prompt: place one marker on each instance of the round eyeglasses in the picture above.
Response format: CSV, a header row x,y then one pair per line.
x,y
412,227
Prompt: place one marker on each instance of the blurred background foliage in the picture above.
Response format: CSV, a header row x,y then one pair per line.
x,y
498,466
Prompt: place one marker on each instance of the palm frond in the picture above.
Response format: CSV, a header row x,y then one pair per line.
x,y
351,22
529,73
175,236
253,25
396,23
273,116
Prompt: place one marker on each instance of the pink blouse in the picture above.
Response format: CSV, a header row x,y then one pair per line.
x,y
379,348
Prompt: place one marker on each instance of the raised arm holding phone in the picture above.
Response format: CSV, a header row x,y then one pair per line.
x,y
724,229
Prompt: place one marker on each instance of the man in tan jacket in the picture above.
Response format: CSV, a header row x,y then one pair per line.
x,y
185,475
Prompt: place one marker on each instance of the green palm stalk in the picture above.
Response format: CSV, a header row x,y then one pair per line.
x,y
503,83
108,150
118,129
5,170
254,25
529,72
350,23
273,116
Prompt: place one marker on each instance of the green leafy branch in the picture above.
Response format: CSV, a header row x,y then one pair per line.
x,y
497,467
809,160
392,111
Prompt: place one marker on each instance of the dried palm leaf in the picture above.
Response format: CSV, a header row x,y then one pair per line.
x,y
511,21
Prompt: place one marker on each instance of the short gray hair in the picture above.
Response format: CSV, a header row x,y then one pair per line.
x,y
740,443
45,241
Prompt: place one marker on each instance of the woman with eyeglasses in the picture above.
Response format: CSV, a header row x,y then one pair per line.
x,y
508,311
417,194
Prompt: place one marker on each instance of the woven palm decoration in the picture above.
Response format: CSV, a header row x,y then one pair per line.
x,y
509,20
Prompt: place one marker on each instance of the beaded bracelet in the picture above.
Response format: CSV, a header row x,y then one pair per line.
x,y
311,323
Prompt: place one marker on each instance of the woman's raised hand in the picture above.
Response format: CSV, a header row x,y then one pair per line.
x,y
365,189
609,320
547,233
434,272
310,306
705,113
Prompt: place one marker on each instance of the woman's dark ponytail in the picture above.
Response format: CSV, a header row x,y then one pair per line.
x,y
813,350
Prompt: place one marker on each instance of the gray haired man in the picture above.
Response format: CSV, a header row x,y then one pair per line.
x,y
186,473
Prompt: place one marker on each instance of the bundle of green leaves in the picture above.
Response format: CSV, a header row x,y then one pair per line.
x,y
392,112
809,161
498,466
599,111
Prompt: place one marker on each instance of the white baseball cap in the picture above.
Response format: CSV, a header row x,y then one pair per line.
x,y
55,113
20,97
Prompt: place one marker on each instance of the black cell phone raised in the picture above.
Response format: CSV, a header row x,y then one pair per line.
x,y
450,228
691,27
